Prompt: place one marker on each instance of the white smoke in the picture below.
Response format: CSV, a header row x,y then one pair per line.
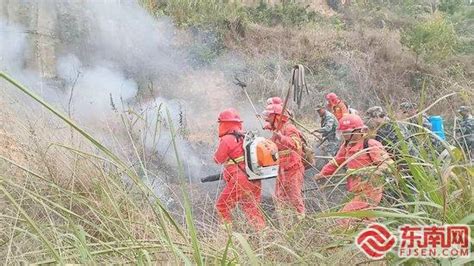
x,y
12,47
114,54
95,90
69,68
126,34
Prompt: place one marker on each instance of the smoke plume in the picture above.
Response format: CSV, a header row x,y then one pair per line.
x,y
115,55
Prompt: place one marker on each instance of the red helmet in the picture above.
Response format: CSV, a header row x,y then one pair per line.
x,y
274,100
229,115
350,122
332,97
276,109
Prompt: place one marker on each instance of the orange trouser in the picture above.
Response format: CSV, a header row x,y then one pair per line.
x,y
239,189
288,188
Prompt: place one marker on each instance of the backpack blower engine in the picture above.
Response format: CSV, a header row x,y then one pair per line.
x,y
261,159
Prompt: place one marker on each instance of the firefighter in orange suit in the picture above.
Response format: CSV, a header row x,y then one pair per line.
x,y
367,163
336,106
238,188
288,140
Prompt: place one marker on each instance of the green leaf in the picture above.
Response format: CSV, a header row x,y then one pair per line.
x,y
248,250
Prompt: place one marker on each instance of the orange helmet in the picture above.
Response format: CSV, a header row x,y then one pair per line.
x,y
332,97
276,109
270,113
229,115
350,122
274,100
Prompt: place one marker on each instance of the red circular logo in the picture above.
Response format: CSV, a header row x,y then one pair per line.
x,y
376,241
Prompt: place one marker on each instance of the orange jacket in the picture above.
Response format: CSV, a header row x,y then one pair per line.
x,y
289,147
230,147
339,109
374,156
366,194
238,189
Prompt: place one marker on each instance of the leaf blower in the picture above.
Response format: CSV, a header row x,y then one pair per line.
x,y
261,159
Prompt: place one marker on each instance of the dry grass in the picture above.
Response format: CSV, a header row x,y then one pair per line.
x,y
350,62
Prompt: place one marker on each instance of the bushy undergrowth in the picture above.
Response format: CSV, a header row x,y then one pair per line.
x,y
434,39
288,13
390,49
216,13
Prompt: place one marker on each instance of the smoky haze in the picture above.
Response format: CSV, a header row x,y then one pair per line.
x,y
114,53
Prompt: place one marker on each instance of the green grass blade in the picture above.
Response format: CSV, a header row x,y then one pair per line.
x,y
32,224
468,219
248,250
226,250
187,207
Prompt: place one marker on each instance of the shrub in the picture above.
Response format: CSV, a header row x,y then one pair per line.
x,y
288,13
433,40
450,6
201,13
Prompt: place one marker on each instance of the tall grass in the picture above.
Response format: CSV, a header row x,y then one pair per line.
x,y
112,215
169,236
